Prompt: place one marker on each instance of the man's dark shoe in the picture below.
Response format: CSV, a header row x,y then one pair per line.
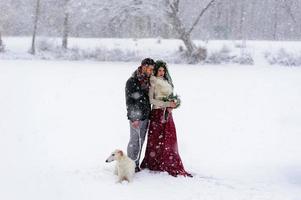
x,y
137,169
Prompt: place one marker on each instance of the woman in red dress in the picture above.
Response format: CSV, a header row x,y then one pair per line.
x,y
162,149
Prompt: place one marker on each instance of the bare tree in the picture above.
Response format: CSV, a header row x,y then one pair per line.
x,y
4,18
36,20
276,16
66,25
132,18
185,34
242,20
289,11
288,7
1,43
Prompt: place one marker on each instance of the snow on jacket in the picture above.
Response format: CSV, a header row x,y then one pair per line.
x,y
137,100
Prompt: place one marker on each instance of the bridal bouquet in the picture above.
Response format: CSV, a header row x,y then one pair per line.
x,y
173,98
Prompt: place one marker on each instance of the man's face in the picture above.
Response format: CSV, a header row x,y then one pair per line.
x,y
148,70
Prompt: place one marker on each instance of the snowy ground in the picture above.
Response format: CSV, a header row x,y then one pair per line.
x,y
128,49
238,132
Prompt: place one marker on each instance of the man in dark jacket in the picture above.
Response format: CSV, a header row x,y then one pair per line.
x,y
138,107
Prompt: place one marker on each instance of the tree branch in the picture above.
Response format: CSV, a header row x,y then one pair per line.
x,y
200,15
174,6
289,10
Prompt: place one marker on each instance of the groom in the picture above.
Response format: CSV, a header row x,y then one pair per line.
x,y
138,108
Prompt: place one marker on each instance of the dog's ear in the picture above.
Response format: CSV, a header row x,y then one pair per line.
x,y
120,152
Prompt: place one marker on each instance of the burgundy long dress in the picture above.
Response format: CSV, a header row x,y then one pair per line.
x,y
162,148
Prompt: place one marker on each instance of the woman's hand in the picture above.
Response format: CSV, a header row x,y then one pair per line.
x,y
169,110
136,124
173,104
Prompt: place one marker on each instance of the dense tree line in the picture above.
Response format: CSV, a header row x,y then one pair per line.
x,y
227,19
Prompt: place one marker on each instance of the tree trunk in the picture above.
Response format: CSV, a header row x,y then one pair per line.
x,y
1,43
66,25
252,15
242,21
179,27
192,52
190,46
36,20
65,31
275,26
0,39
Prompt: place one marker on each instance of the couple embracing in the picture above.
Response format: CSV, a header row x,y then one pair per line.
x,y
151,84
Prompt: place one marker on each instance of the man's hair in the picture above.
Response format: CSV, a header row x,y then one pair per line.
x,y
147,61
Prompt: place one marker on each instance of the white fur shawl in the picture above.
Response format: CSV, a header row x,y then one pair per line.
x,y
159,89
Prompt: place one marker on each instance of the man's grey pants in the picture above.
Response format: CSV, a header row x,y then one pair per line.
x,y
136,141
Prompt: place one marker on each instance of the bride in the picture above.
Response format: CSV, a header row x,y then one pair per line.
x,y
162,149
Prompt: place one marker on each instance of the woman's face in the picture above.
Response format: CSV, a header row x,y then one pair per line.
x,y
161,72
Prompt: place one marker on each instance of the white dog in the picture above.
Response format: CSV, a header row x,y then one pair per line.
x,y
125,167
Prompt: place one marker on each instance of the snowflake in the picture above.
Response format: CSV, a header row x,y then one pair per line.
x,y
136,95
152,154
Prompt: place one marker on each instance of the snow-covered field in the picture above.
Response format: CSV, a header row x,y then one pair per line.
x,y
238,127
128,49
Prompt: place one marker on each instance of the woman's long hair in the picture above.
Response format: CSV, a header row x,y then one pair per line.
x,y
161,63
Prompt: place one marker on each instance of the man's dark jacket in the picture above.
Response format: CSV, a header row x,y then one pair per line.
x,y
137,100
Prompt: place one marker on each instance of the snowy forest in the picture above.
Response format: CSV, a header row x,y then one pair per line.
x,y
51,24
225,19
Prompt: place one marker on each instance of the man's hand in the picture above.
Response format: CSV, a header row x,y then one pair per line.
x,y
136,124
